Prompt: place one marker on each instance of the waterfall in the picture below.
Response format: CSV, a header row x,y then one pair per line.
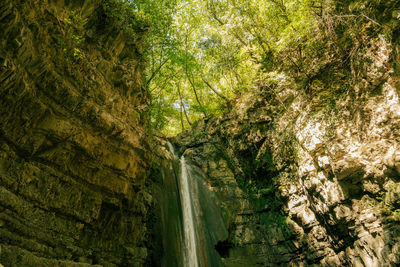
x,y
171,149
191,259
189,237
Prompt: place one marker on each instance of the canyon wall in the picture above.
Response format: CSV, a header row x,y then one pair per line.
x,y
308,178
74,150
287,177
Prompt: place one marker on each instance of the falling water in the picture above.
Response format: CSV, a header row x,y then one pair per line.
x,y
188,223
189,237
171,149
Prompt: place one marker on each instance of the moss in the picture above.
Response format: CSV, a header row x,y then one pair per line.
x,y
275,219
199,134
396,215
389,202
390,213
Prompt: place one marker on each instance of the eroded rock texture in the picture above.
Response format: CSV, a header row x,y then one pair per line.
x,y
309,179
73,149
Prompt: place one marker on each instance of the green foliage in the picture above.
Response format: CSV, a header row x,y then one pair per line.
x,y
75,19
202,53
199,134
266,191
124,14
396,215
272,216
391,213
236,241
72,40
389,202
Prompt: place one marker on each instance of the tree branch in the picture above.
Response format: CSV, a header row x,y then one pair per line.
x,y
216,92
183,106
156,71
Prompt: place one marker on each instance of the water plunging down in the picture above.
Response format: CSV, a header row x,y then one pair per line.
x,y
171,149
190,255
189,237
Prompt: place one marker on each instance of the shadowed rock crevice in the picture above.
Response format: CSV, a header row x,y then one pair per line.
x,y
223,248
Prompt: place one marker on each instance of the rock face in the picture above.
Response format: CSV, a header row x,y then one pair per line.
x,y
286,178
165,224
313,180
73,148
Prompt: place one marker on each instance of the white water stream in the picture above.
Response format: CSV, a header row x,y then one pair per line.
x,y
171,149
190,243
188,223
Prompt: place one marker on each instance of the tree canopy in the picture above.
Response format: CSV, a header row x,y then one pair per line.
x,y
203,54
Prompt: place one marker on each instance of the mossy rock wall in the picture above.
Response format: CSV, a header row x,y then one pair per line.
x,y
74,150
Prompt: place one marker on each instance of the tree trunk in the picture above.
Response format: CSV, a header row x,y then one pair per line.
x,y
195,94
183,106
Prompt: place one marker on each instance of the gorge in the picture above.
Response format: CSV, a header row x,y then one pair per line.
x,y
300,169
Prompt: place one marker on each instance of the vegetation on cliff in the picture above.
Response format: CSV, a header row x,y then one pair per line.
x,y
293,109
202,55
312,138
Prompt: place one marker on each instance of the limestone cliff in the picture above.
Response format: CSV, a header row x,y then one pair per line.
x,y
289,177
309,179
74,151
